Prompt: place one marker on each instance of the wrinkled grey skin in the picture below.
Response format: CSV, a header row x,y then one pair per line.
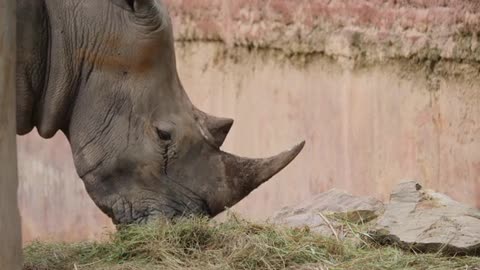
x,y
103,72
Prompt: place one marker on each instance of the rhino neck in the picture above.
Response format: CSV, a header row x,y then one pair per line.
x,y
45,74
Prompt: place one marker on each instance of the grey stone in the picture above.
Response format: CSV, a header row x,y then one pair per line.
x,y
426,221
322,212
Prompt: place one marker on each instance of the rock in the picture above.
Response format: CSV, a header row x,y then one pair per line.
x,y
425,221
322,212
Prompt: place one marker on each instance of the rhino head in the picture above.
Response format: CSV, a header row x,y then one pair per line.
x,y
141,147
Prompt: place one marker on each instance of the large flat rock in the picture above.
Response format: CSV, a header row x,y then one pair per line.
x,y
426,221
321,212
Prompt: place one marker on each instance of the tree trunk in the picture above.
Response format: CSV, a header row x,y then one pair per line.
x,y
10,233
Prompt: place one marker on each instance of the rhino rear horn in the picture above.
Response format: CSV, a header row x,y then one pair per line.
x,y
218,127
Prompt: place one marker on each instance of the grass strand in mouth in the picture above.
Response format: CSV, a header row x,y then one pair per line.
x,y
198,243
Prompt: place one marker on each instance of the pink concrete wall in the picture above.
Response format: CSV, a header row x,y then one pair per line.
x,y
381,90
366,129
52,199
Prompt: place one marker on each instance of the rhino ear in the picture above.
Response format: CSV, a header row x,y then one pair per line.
x,y
134,5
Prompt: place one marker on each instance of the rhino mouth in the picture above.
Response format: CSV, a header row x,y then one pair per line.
x,y
135,203
124,211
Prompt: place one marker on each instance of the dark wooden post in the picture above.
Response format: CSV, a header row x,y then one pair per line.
x,y
10,233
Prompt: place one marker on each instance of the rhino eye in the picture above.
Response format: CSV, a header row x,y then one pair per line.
x,y
164,135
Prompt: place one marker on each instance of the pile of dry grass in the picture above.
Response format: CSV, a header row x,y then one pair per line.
x,y
197,243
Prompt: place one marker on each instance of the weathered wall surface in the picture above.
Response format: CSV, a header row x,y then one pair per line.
x,y
10,237
382,91
357,29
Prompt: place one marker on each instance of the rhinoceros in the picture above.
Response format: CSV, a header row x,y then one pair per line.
x,y
104,73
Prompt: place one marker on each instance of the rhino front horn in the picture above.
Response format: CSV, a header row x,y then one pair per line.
x,y
243,175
